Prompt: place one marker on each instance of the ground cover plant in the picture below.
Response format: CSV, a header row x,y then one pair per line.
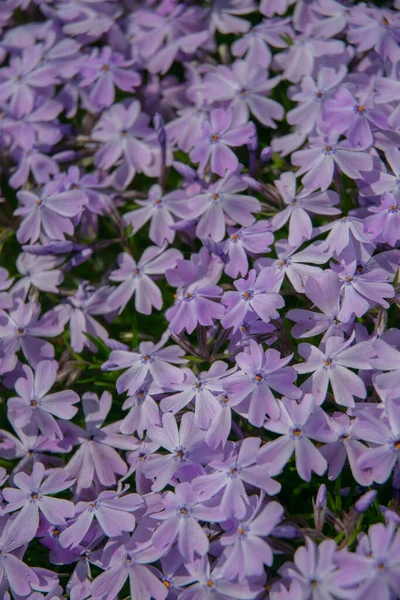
x,y
199,300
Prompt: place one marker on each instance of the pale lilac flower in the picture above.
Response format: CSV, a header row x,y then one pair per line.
x,y
299,59
259,373
362,288
79,309
160,210
125,559
343,114
49,215
384,434
31,496
246,548
112,511
374,568
255,293
227,481
143,410
122,129
298,207
97,459
377,29
347,445
180,521
312,96
19,80
315,572
297,423
218,135
295,264
251,241
35,405
14,573
222,203
152,359
324,293
384,225
40,272
136,278
104,70
24,329
320,160
195,306
330,364
209,583
186,448
202,391
245,86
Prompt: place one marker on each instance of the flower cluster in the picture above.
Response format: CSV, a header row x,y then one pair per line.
x,y
199,300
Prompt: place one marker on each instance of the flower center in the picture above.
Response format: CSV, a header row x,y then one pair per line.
x,y
360,108
34,403
397,444
248,295
20,331
210,583
105,68
296,431
215,197
215,137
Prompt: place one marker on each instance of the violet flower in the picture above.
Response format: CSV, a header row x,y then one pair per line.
x,y
135,278
31,496
218,136
35,405
297,423
258,373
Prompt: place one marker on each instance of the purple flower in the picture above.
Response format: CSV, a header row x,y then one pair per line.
x,y
35,405
344,114
212,583
348,445
202,391
245,86
246,549
362,288
48,216
194,306
14,573
298,207
384,225
258,372
185,448
96,459
315,572
229,476
375,29
159,208
319,162
220,204
297,423
127,560
19,80
374,567
384,434
217,136
143,410
78,310
39,272
251,240
112,511
135,278
324,294
31,496
104,70
122,129
152,359
329,364
254,293
180,521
